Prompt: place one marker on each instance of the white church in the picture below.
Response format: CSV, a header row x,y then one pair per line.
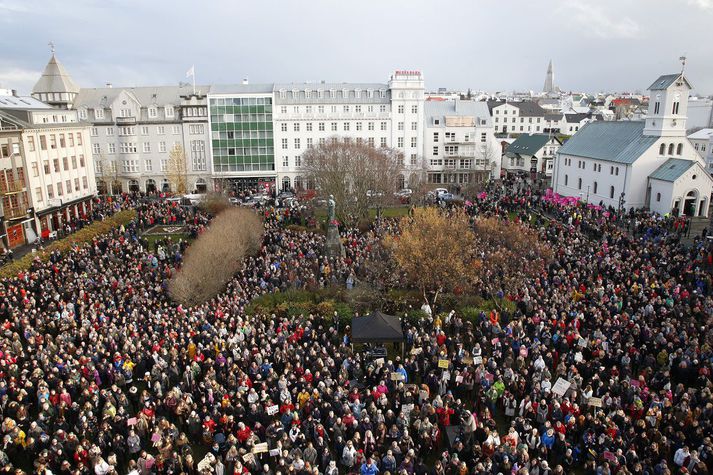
x,y
646,164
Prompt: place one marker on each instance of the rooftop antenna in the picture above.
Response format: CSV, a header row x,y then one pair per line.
x,y
682,59
51,45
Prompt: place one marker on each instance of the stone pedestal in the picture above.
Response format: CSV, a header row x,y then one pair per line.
x,y
333,246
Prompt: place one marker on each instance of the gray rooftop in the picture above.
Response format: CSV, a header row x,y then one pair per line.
x,y
346,92
440,109
672,169
21,103
55,79
527,108
159,95
619,142
663,82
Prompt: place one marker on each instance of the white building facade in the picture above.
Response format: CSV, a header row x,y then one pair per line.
x,y
615,163
459,143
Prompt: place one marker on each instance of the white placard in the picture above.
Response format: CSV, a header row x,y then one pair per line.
x,y
561,386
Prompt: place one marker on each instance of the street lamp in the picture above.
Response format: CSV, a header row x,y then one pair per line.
x,y
621,201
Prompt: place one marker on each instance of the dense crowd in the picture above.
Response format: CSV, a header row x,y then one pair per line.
x,y
101,373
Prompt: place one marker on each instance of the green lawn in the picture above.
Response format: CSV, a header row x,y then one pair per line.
x,y
152,238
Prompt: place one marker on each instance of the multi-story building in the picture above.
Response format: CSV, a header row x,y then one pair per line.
x,y
260,132
459,142
517,117
140,134
142,138
47,176
702,141
532,154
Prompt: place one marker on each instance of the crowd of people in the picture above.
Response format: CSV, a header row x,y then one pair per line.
x,y
603,367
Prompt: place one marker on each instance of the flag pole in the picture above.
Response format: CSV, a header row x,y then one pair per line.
x,y
194,80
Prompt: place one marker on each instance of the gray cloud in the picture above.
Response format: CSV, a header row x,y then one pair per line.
x,y
613,45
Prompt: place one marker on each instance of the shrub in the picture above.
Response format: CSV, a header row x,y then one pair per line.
x,y
84,235
217,254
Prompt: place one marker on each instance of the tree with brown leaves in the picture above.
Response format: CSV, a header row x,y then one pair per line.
x,y
217,254
434,249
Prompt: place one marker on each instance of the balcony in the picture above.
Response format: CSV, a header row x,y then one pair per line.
x,y
15,213
11,188
125,120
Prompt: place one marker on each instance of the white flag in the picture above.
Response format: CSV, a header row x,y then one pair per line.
x,y
191,72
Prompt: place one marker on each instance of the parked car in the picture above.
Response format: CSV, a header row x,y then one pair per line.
x,y
374,194
404,195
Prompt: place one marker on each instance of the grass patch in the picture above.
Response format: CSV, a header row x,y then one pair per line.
x,y
153,238
82,236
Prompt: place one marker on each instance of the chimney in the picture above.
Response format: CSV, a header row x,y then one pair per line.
x,y
245,81
14,92
109,85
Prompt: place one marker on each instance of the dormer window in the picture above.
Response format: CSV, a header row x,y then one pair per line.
x,y
283,94
345,93
98,113
153,112
320,94
169,111
295,94
82,114
332,93
308,94
357,93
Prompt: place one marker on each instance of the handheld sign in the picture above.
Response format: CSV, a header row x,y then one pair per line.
x,y
260,448
443,364
272,410
595,401
561,386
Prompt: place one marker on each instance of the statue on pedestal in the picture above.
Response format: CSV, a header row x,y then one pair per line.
x,y
334,246
331,205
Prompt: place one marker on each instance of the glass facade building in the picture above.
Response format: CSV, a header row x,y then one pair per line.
x,y
241,134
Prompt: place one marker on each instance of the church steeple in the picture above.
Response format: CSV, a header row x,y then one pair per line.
x,y
55,87
549,80
668,106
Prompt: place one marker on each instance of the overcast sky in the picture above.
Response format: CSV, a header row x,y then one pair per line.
x,y
493,45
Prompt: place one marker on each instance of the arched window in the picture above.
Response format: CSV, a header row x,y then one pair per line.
x,y
299,185
150,186
679,149
402,182
579,184
662,149
595,187
670,149
658,196
611,192
566,180
286,183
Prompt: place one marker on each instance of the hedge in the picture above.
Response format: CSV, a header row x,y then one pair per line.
x,y
81,236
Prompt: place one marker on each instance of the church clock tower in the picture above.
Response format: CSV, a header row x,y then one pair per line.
x,y
668,106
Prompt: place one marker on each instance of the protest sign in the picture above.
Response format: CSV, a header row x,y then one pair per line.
x,y
561,386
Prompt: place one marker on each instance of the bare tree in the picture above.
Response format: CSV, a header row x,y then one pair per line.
x,y
108,172
356,174
176,170
217,254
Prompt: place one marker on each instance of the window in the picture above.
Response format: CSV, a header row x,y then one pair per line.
x,y
298,161
346,126
413,159
675,107
595,187
65,163
147,147
611,192
176,129
79,138
334,126
670,149
286,161
662,149
130,166
370,126
284,144
60,190
309,142
483,137
296,126
657,107
297,144
82,114
400,126
164,164
309,126
76,184
124,131
81,160
400,142
566,180
370,141
435,150
658,195
98,113
50,191
46,166
96,148
31,143
414,109
38,194
383,126
414,144
169,111
320,109
616,171
435,137
383,141
153,112
148,165
145,130
358,126
161,130
53,141
579,183
85,182
400,109
127,148
346,108
94,132
679,149
43,142
111,148
162,147
125,113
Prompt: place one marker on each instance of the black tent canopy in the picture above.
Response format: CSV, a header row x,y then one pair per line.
x,y
376,328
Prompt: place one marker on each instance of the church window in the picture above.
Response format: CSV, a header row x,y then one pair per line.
x,y
670,149
662,149
679,149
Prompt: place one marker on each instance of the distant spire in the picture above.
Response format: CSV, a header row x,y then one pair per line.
x,y
51,45
549,80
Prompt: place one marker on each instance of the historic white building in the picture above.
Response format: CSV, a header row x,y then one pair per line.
x,y
47,176
459,142
134,130
634,164
533,154
517,117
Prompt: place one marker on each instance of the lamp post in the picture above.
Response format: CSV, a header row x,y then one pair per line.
x,y
621,201
588,193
